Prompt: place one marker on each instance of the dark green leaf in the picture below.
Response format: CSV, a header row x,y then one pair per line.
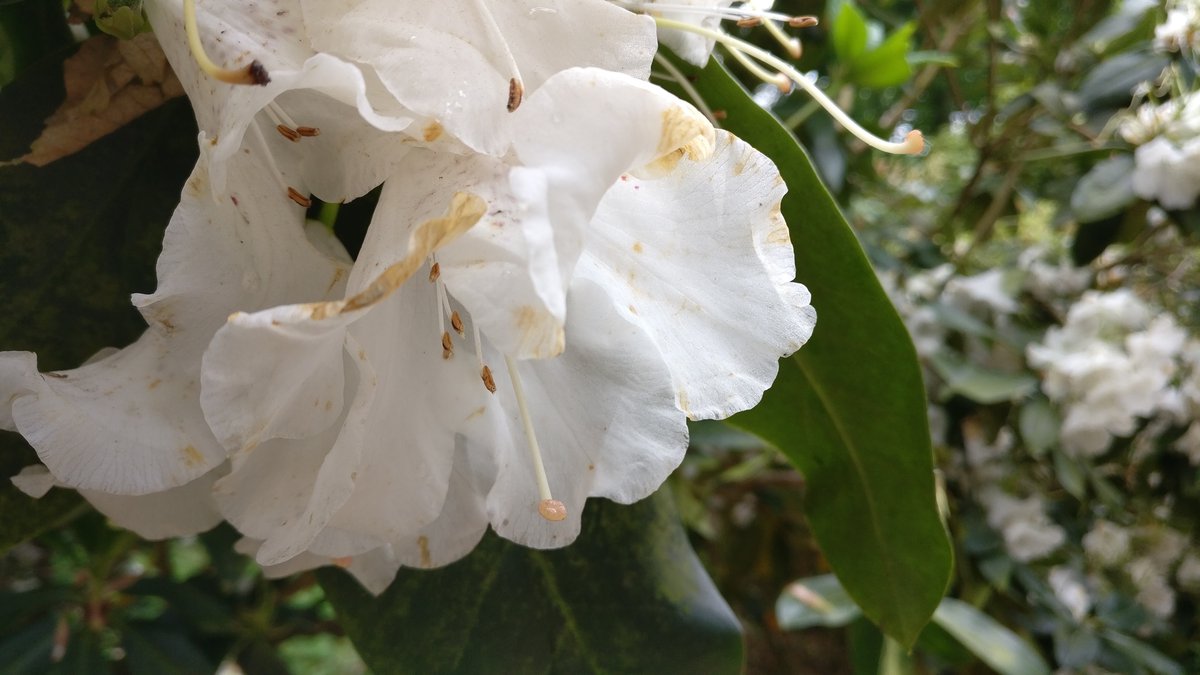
x,y
28,650
849,408
29,31
84,656
628,596
1110,84
1142,653
1105,191
157,650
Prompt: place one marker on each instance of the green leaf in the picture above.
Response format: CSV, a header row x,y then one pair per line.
x,y
816,601
887,65
1105,191
849,33
628,596
29,31
849,408
159,650
79,236
980,384
1039,426
1142,653
1000,648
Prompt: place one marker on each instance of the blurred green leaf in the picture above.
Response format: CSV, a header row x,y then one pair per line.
x,y
156,650
981,384
628,596
816,601
997,646
1105,191
886,65
1141,653
28,650
1110,84
848,30
30,31
1039,425
849,408
84,656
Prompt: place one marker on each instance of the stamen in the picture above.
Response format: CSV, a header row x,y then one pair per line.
x,y
456,323
749,22
913,144
485,373
291,192
434,272
780,80
791,44
516,88
308,132
284,118
687,86
549,507
447,345
254,73
288,133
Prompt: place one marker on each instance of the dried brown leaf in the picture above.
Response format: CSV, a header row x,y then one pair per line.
x,y
109,82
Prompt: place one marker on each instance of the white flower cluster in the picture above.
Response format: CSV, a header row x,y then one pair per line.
x,y
565,264
1115,362
1181,29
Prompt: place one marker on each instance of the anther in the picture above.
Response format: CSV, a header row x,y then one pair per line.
x,y
294,195
456,323
435,271
749,22
288,133
447,345
254,73
516,91
308,132
489,382
802,21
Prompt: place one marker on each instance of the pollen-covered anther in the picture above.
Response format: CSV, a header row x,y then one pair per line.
x,y
489,382
552,510
435,271
516,92
457,323
288,133
802,22
447,345
308,132
749,22
294,195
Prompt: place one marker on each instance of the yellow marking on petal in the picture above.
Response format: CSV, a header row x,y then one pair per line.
x,y
192,456
423,547
464,211
344,561
154,384
432,132
637,247
684,134
533,326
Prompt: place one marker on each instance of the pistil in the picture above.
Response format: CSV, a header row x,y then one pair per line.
x,y
549,507
254,73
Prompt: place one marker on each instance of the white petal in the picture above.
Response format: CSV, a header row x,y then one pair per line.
x,y
504,270
178,512
374,570
444,61
35,481
128,424
694,49
701,258
604,414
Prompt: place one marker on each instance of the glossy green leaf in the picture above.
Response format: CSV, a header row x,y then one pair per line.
x,y
1105,191
849,408
628,596
849,33
1003,650
78,236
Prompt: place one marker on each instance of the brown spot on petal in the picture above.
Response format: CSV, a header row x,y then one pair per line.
x,y
343,562
423,547
328,405
637,247
432,132
192,456
153,384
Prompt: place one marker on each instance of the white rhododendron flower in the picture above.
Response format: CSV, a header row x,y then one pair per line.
x,y
448,398
1167,159
1028,532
